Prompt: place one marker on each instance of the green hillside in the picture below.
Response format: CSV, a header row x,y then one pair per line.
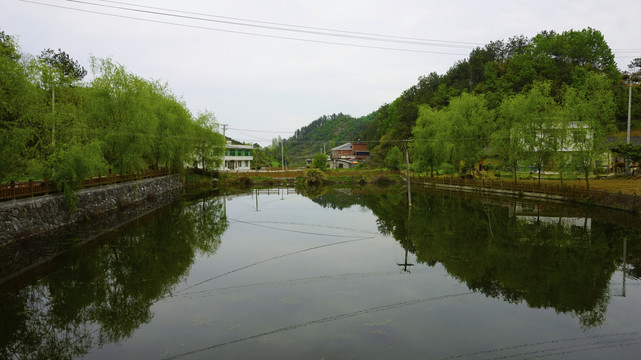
x,y
323,134
497,71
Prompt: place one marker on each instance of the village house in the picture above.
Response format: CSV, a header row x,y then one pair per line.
x,y
237,157
348,155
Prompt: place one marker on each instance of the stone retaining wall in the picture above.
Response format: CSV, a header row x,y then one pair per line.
x,y
27,217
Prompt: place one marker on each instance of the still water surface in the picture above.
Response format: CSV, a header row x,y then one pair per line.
x,y
342,274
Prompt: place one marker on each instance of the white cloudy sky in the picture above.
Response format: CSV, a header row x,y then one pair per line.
x,y
273,86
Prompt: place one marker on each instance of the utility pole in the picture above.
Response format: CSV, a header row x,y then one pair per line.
x,y
627,162
225,140
53,117
409,189
632,76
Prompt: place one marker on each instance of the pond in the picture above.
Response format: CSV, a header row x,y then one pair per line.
x,y
340,274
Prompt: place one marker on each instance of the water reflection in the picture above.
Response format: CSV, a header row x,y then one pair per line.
x,y
297,281
534,253
104,295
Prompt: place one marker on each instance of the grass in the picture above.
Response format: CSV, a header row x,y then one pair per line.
x,y
615,184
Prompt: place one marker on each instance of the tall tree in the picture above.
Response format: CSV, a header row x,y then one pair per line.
x,y
470,123
394,159
589,109
431,143
70,69
538,126
507,141
19,102
209,144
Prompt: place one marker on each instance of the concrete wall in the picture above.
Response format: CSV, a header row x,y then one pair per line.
x,y
27,217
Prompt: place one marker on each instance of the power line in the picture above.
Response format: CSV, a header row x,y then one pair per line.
x,y
242,32
413,40
264,131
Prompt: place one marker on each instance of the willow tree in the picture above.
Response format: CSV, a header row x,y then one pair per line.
x,y
431,143
470,123
172,146
538,126
208,143
123,116
589,110
507,141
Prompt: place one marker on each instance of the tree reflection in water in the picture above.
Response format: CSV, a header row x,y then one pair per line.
x,y
103,296
518,252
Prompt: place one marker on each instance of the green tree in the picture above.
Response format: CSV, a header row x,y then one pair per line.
x,y
319,161
209,144
394,159
73,162
430,139
507,141
470,123
19,104
539,126
121,110
589,109
70,69
629,152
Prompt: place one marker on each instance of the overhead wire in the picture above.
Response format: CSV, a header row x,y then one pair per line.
x,y
269,27
296,26
243,32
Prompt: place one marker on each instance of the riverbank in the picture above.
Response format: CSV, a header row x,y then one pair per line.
x,y
25,218
297,177
620,194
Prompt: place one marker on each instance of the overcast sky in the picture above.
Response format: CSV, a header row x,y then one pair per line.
x,y
236,58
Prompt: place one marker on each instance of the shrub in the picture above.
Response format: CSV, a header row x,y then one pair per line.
x,y
319,161
315,177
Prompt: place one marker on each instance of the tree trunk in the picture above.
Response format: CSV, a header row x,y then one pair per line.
x,y
587,183
561,176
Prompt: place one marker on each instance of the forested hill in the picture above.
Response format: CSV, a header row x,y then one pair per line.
x,y
497,71
325,132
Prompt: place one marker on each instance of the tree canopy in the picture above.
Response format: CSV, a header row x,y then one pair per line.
x,y
55,126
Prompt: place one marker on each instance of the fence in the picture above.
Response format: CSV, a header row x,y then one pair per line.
x,y
32,188
270,173
602,198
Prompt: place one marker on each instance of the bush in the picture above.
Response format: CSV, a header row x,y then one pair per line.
x,y
315,177
394,159
319,161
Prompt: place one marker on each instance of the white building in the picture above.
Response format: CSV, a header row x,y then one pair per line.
x,y
237,157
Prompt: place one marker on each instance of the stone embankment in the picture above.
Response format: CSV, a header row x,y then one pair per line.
x,y
28,217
